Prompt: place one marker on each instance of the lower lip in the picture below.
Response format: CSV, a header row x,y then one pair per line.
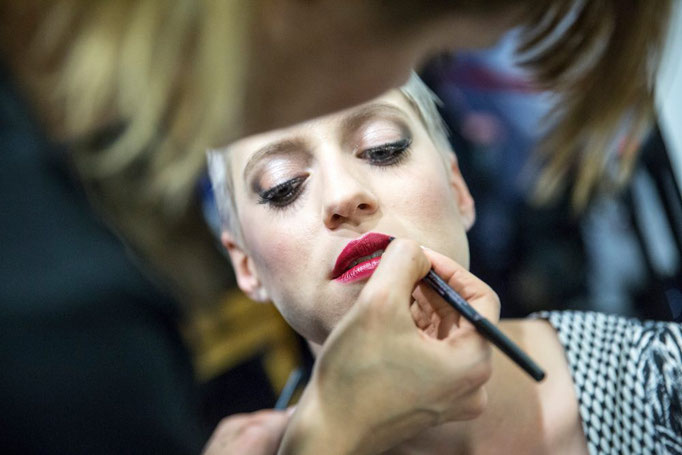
x,y
359,272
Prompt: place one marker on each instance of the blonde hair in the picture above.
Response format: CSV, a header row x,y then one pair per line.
x,y
150,85
600,58
170,77
421,98
145,87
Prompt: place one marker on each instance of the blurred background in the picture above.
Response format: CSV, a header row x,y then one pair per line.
x,y
621,254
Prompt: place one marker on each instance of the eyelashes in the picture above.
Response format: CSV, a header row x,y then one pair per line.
x,y
285,194
387,154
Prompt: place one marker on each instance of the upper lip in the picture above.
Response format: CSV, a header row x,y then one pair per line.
x,y
364,246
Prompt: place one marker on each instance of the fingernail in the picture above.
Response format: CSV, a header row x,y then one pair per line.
x,y
291,410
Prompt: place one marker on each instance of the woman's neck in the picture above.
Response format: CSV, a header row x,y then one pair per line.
x,y
522,416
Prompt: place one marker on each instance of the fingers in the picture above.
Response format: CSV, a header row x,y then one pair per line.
x,y
467,352
469,407
458,277
402,265
432,314
431,303
475,291
258,433
419,316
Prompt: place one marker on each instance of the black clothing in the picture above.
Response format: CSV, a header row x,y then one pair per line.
x,y
90,354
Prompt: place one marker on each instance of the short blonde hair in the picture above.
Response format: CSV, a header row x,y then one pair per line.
x,y
421,98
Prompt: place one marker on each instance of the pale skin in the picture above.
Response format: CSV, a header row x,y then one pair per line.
x,y
259,432
284,255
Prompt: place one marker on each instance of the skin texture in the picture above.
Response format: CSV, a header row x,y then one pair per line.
x,y
522,416
258,433
338,54
343,197
441,365
313,57
287,254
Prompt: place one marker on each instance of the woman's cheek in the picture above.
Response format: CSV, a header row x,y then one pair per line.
x,y
430,199
279,248
270,246
432,209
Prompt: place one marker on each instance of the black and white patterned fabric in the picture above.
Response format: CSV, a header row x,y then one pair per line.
x,y
628,379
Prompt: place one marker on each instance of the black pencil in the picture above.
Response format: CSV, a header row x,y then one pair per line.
x,y
484,326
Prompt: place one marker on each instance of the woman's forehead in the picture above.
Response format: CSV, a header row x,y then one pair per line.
x,y
329,127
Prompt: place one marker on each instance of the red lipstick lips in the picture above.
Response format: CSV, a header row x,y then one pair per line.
x,y
360,258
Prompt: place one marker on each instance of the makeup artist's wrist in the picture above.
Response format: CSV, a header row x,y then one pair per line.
x,y
314,430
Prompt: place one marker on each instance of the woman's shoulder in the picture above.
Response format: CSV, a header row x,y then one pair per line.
x,y
627,374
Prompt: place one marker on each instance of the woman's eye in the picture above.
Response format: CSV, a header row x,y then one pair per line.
x,y
282,194
387,154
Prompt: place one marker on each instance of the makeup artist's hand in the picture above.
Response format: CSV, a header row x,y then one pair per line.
x,y
400,360
436,317
258,433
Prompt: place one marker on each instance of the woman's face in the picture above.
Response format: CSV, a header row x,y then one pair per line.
x,y
303,193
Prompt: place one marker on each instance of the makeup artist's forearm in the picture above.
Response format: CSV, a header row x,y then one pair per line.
x,y
311,432
314,430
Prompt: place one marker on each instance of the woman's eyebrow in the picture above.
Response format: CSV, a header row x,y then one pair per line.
x,y
274,148
359,116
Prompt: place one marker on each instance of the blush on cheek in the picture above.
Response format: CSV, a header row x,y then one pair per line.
x,y
433,199
433,213
280,249
270,249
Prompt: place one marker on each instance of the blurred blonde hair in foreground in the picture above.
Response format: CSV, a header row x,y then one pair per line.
x,y
145,87
140,88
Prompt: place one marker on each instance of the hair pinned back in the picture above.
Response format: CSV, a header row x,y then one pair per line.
x,y
426,103
421,98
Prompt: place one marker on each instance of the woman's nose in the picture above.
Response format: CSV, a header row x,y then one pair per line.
x,y
348,201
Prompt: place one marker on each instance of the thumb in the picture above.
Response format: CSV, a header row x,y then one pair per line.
x,y
469,286
402,266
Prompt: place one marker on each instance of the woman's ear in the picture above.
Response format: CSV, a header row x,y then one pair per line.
x,y
247,276
464,200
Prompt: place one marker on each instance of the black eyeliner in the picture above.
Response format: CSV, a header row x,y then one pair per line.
x,y
266,197
399,146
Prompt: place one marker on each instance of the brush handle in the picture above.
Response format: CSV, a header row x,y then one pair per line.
x,y
484,326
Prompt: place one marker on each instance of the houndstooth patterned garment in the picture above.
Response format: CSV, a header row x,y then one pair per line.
x,y
628,378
